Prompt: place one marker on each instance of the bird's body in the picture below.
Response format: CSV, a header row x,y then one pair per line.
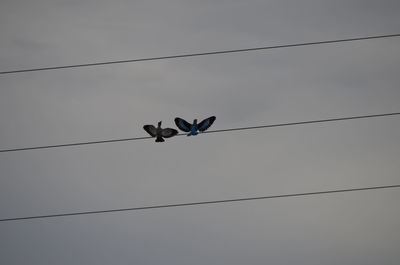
x,y
159,132
195,127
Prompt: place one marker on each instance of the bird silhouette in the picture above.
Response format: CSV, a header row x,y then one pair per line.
x,y
193,128
159,132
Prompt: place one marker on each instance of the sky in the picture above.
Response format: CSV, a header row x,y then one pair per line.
x,y
241,89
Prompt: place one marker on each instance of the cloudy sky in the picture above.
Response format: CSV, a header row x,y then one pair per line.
x,y
246,89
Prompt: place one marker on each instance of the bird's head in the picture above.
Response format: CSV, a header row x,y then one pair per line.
x,y
195,121
159,123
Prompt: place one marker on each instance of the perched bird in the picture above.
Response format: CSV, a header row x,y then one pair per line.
x,y
193,128
160,133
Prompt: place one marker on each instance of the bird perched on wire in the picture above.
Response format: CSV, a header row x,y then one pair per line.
x,y
159,132
193,129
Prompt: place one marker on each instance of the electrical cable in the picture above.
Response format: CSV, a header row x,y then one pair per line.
x,y
198,203
212,131
198,54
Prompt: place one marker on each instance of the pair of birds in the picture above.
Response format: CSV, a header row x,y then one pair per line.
x,y
183,125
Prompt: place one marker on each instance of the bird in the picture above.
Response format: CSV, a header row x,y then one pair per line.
x,y
193,129
159,132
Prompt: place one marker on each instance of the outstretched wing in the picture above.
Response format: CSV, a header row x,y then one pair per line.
x,y
150,129
205,124
168,132
182,124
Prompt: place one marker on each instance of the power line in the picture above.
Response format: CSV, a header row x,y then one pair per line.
x,y
75,144
199,203
213,131
304,122
198,54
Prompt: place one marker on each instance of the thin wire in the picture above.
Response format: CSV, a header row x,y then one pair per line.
x,y
198,54
214,131
304,122
198,203
75,144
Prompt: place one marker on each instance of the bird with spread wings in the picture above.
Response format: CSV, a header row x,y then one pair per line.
x,y
195,127
159,132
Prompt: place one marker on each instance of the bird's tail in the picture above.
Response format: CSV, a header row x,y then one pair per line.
x,y
192,133
159,139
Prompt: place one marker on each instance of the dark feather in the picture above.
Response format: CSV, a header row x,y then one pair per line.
x,y
159,139
205,124
150,129
168,132
182,124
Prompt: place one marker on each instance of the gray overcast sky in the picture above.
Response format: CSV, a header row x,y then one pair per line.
x,y
246,89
